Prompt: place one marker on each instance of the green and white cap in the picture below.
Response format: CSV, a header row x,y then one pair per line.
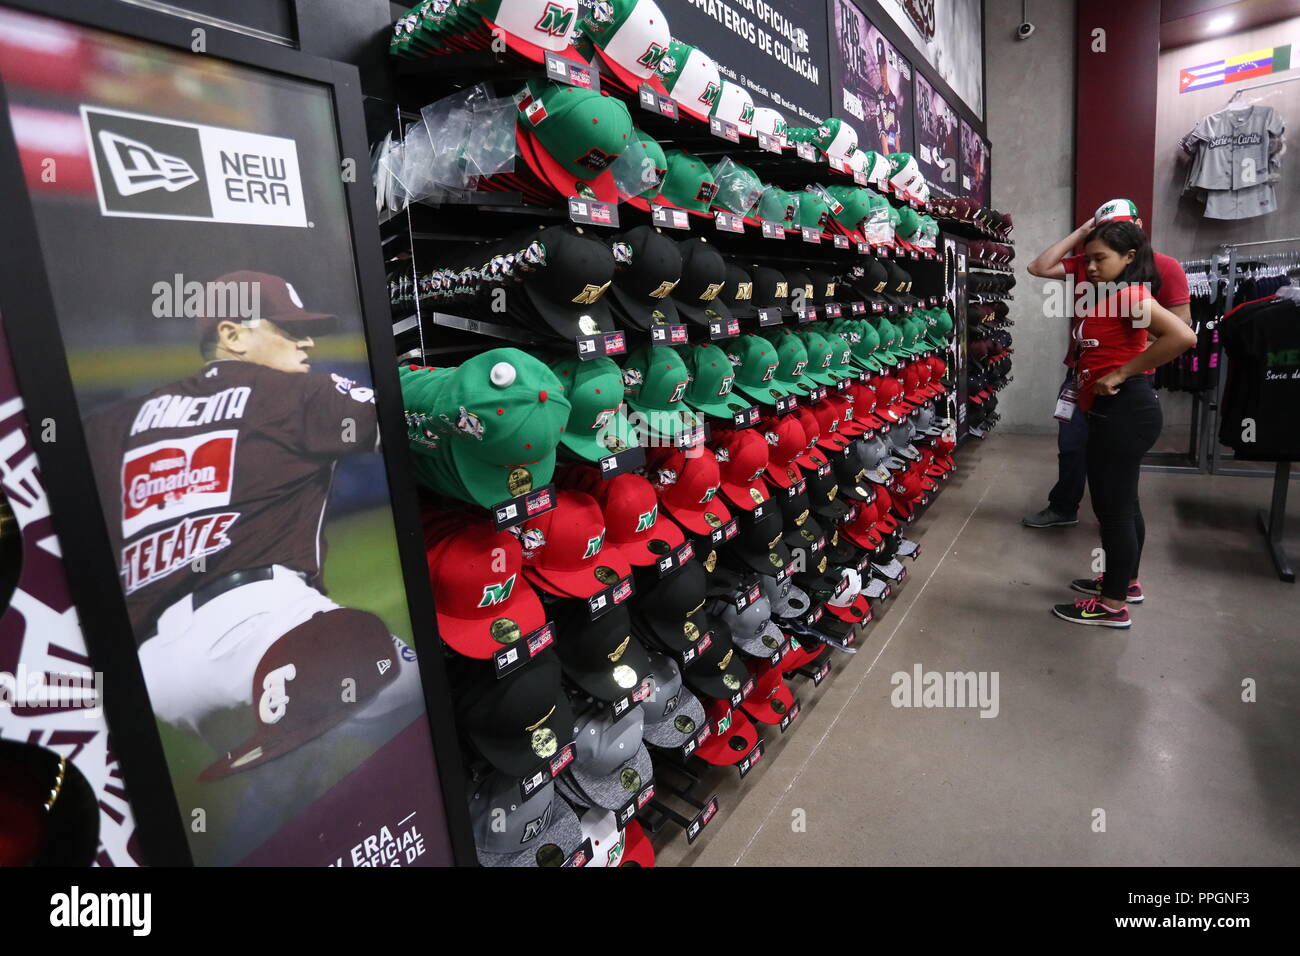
x,y
770,122
691,78
631,35
735,105
1116,210
532,26
836,138
878,169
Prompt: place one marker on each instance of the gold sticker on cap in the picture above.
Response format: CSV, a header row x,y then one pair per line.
x,y
711,291
805,533
630,780
519,482
617,652
664,289
684,724
777,705
624,677
590,294
835,490
802,518
821,565
711,561
782,290
606,576
792,475
726,659
712,520
544,743
772,544
731,682
770,642
776,560
756,495
692,632
504,631
835,538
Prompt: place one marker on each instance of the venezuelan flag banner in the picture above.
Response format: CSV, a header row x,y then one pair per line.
x,y
1235,69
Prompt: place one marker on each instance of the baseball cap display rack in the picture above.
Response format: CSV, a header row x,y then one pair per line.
x,y
422,235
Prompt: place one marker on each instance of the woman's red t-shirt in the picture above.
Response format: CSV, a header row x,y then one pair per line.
x,y
1107,336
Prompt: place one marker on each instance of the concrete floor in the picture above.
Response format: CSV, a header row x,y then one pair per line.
x,y
1147,725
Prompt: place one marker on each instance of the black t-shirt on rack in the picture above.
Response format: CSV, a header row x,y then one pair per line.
x,y
1262,340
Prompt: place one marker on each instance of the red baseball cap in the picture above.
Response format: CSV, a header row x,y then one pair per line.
x,y
552,173
742,459
633,525
637,849
733,735
860,527
800,656
687,484
571,560
831,437
771,699
884,507
481,602
786,441
864,406
845,409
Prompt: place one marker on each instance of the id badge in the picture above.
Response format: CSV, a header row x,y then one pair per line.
x,y
1066,402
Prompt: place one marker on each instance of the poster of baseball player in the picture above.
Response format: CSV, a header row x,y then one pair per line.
x,y
975,161
937,139
193,220
874,82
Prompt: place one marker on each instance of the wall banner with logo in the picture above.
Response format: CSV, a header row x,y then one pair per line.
x,y
976,160
194,221
872,82
938,140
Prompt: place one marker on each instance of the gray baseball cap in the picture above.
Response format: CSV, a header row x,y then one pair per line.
x,y
672,713
612,765
873,456
752,630
510,831
787,601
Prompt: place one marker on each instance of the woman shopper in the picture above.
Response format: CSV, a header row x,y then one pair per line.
x,y
1114,318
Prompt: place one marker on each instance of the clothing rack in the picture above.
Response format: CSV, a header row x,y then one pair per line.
x,y
1259,86
1273,522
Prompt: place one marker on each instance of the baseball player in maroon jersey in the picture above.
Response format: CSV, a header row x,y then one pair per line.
x,y
215,490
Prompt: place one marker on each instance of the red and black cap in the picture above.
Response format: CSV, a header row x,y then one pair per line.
x,y
482,603
786,442
742,459
688,483
771,699
645,274
732,738
522,719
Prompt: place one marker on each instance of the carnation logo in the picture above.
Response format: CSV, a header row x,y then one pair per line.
x,y
151,168
166,480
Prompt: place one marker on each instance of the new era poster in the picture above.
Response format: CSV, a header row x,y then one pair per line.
x,y
938,139
775,49
975,161
950,36
873,83
192,217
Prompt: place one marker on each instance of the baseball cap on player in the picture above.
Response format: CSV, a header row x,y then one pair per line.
x,y
691,78
672,714
711,378
688,489
632,36
645,275
520,720
295,685
600,657
571,560
654,383
596,426
704,273
1116,210
733,735
544,825
742,458
276,300
482,604
634,525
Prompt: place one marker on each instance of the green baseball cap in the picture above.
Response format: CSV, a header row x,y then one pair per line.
x,y
909,223
596,426
689,182
712,376
654,385
821,357
640,171
739,187
888,340
755,360
941,328
775,204
792,360
812,211
834,137
864,342
573,135
856,203
841,355
499,417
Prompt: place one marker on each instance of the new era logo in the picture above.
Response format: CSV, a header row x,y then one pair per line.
x,y
137,167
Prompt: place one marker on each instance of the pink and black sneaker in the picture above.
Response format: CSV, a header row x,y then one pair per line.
x,y
1092,611
1093,586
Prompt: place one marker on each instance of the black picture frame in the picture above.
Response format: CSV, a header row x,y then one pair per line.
x,y
26,307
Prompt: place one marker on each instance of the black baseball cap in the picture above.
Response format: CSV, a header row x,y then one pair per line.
x,y
601,657
522,719
568,292
824,286
800,282
849,475
704,273
672,611
645,273
719,672
738,292
824,494
771,290
758,546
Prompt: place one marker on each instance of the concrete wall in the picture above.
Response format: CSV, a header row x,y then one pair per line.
x,y
1031,125
1177,226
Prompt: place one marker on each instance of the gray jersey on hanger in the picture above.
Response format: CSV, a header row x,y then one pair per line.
x,y
1235,148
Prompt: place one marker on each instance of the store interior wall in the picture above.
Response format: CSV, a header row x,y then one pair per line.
x,y
1030,113
1177,227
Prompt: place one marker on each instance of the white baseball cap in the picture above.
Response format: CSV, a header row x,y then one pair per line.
x,y
631,35
1116,210
770,122
735,105
691,78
